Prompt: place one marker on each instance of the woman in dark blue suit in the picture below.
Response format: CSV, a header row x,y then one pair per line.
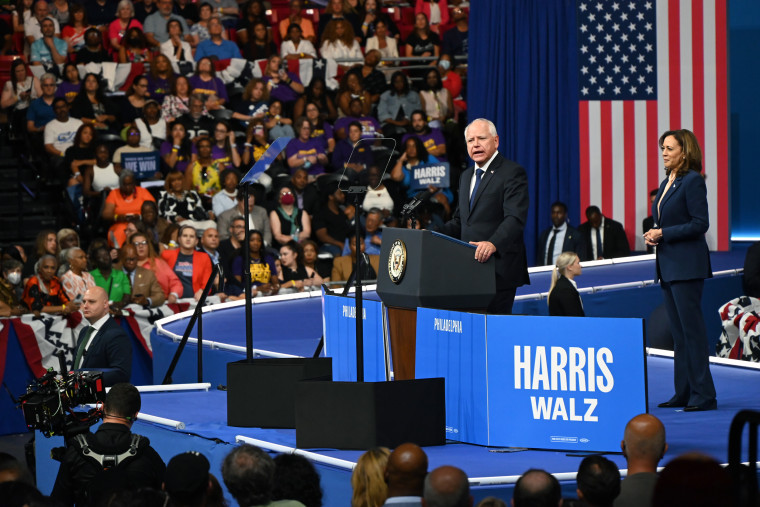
x,y
683,262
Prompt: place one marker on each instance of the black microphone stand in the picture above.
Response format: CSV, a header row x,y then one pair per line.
x,y
358,192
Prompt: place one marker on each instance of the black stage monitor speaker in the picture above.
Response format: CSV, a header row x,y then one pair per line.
x,y
362,415
261,393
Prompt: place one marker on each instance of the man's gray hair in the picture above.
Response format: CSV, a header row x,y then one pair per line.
x,y
125,3
491,127
48,75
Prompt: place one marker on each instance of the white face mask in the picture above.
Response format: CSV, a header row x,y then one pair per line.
x,y
14,278
445,64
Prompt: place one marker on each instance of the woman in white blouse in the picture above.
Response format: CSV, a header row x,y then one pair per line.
x,y
338,42
294,47
387,46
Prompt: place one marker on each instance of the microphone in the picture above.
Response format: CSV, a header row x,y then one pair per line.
x,y
415,203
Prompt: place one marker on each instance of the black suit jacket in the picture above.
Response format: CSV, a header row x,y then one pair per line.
x,y
499,212
574,242
615,241
110,352
564,300
647,224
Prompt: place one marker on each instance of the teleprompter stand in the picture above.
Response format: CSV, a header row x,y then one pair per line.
x,y
261,392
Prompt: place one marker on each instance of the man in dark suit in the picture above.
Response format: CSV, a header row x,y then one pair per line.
x,y
561,237
492,211
146,290
611,233
103,345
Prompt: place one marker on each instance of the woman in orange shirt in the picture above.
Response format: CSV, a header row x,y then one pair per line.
x,y
123,205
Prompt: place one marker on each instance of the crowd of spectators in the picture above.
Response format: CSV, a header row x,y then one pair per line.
x,y
205,134
381,477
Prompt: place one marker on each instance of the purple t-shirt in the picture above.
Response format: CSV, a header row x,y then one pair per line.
x,y
219,156
182,163
301,149
324,132
216,85
283,92
430,140
260,271
68,90
343,150
370,126
158,88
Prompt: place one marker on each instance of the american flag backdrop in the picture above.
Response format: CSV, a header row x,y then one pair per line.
x,y
647,66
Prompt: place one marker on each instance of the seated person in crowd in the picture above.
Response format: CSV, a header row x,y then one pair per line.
x,y
80,154
295,47
293,274
258,46
258,218
177,49
215,45
264,281
92,106
352,88
373,233
353,155
295,17
197,121
133,146
370,126
33,23
229,248
48,50
282,85
100,177
60,132
331,223
193,268
177,151
145,289
396,105
135,47
209,244
11,289
123,205
184,207
203,175
344,266
152,126
277,124
339,42
148,259
92,51
320,127
224,152
432,138
44,293
155,25
177,102
383,195
160,78
40,111
311,259
76,280
227,198
287,221
113,281
373,79
306,194
210,87
436,99
415,155
125,19
254,104
305,151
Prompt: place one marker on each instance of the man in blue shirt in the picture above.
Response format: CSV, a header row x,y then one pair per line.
x,y
216,45
155,27
41,110
49,49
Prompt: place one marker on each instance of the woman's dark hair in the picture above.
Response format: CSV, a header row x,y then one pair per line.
x,y
99,94
426,87
252,35
223,175
166,237
260,17
261,237
185,146
95,31
425,30
295,247
154,68
142,41
198,67
137,79
290,27
65,75
294,476
227,145
173,87
248,91
343,85
309,96
396,74
692,153
320,119
73,8
14,65
78,136
422,152
172,20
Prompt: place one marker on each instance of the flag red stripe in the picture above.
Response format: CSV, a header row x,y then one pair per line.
x,y
722,123
653,154
674,65
629,124
135,327
584,154
3,347
608,170
29,346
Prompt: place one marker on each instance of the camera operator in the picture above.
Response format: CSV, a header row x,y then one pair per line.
x,y
96,465
103,345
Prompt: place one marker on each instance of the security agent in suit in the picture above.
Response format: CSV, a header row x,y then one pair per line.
x,y
132,462
612,234
567,239
683,262
492,211
564,299
103,345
